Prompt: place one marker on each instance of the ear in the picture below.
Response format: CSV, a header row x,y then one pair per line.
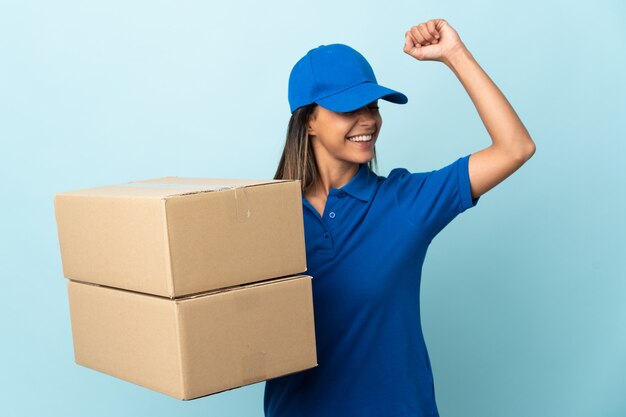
x,y
310,126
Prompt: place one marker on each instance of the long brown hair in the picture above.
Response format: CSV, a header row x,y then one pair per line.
x,y
298,160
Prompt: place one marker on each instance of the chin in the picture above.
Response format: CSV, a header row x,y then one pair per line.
x,y
364,160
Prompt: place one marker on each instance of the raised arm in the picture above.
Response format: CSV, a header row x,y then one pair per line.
x,y
511,144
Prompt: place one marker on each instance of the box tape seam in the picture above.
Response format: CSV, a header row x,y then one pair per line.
x,y
181,357
169,275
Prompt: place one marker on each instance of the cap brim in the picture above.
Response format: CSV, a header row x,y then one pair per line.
x,y
359,96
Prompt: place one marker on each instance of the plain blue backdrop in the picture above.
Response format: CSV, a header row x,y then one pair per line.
x,y
524,296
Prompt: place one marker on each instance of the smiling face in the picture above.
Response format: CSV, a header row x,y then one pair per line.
x,y
344,137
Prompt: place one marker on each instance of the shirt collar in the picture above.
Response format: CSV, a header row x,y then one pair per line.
x,y
362,185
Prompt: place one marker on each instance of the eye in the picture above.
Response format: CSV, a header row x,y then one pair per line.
x,y
353,112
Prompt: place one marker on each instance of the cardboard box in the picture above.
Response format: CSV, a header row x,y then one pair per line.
x,y
177,236
198,345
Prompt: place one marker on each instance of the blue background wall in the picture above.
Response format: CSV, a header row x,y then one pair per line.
x,y
523,297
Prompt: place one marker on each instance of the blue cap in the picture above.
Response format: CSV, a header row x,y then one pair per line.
x,y
338,78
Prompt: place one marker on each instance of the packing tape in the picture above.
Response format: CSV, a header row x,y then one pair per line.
x,y
254,367
242,204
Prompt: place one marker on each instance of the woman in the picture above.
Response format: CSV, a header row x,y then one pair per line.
x,y
367,235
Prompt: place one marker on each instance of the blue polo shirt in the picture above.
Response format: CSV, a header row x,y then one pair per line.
x,y
365,255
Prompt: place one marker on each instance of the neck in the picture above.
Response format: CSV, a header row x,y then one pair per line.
x,y
334,176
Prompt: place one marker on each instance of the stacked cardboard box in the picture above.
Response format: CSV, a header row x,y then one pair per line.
x,y
188,286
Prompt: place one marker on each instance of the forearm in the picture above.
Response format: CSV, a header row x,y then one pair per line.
x,y
506,130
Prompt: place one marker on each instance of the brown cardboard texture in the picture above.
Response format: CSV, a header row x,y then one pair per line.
x,y
177,236
196,346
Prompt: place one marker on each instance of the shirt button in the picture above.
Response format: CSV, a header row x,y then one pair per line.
x,y
340,194
326,235
331,214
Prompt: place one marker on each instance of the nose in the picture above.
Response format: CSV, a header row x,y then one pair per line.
x,y
366,116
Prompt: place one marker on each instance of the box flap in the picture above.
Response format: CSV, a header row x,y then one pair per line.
x,y
168,186
188,297
242,286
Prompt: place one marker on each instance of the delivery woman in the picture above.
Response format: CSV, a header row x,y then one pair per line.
x,y
367,235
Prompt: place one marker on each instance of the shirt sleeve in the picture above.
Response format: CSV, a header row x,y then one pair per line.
x,y
433,199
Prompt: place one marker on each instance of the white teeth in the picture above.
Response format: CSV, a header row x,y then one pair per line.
x,y
366,138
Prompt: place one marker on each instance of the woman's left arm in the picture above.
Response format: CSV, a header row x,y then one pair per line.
x,y
511,144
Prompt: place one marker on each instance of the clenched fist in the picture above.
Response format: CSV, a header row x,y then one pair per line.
x,y
434,40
